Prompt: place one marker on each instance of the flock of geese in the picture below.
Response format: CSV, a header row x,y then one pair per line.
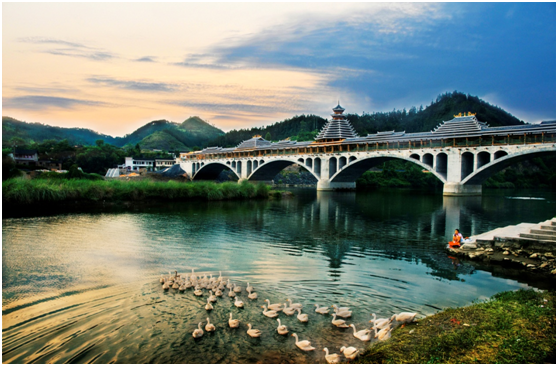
x,y
381,328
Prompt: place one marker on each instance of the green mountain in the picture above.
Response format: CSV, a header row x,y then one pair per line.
x,y
37,132
305,127
162,140
161,134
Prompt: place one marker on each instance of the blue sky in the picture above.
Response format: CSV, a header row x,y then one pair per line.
x,y
242,65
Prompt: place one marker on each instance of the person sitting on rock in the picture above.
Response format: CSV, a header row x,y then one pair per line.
x,y
457,239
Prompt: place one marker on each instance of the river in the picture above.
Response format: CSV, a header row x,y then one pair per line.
x,y
84,287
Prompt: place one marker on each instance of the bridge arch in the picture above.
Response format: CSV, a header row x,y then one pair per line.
x,y
505,160
354,170
211,171
268,170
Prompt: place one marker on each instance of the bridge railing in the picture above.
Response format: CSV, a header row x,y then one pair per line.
x,y
385,146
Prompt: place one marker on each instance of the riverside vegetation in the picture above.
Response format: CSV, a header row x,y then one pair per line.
x,y
514,327
20,191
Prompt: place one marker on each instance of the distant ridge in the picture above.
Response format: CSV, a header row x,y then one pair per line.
x,y
413,120
160,134
194,132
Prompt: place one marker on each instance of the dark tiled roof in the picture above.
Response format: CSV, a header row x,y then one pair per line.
x,y
256,141
337,129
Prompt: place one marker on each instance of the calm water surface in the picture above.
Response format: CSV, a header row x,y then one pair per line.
x,y
83,288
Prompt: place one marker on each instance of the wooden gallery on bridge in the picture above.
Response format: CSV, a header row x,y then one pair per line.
x,y
462,153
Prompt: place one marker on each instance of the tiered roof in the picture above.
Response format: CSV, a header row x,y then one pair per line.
x,y
338,128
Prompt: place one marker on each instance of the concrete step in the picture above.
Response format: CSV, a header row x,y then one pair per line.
x,y
548,227
543,232
538,236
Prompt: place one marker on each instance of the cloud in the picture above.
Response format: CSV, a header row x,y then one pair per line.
x,y
41,102
70,49
146,59
95,56
229,107
134,85
41,40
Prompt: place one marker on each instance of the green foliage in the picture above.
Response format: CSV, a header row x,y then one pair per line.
x,y
279,130
160,134
398,174
268,136
57,190
514,327
536,173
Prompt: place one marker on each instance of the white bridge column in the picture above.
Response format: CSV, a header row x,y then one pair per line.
x,y
453,187
325,184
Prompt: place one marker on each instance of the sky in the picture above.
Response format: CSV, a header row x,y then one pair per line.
x,y
113,67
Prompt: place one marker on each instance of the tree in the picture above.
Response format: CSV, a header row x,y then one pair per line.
x,y
99,142
268,136
137,149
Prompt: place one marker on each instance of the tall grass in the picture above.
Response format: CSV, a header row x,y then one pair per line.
x,y
19,191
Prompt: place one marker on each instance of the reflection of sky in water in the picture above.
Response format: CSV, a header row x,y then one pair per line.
x,y
375,252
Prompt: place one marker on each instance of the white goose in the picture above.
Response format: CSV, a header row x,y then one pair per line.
x,y
302,317
343,313
276,307
229,284
212,297
176,286
238,303
237,288
249,288
379,323
404,317
233,323
218,292
323,311
208,306
193,277
166,286
333,358
383,334
232,293
198,332
294,306
282,329
252,295
350,353
198,291
254,333
339,323
364,335
269,313
287,310
209,327
340,309
303,345
162,279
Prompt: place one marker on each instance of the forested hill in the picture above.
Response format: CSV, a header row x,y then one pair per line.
x,y
161,134
305,127
37,132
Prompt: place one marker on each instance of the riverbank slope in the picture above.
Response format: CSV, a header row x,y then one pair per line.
x,y
27,192
512,327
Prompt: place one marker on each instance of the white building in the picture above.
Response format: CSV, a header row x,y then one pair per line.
x,y
151,164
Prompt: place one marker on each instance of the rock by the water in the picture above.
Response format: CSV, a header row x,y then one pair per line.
x,y
534,255
506,253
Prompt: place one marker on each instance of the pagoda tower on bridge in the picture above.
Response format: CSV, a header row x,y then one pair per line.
x,y
338,128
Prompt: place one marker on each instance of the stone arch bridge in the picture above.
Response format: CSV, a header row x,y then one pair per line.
x,y
462,170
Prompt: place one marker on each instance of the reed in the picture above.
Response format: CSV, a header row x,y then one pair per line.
x,y
20,191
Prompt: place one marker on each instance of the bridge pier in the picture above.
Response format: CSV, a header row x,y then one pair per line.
x,y
458,189
326,185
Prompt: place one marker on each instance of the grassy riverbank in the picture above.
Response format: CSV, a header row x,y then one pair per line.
x,y
513,327
19,191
